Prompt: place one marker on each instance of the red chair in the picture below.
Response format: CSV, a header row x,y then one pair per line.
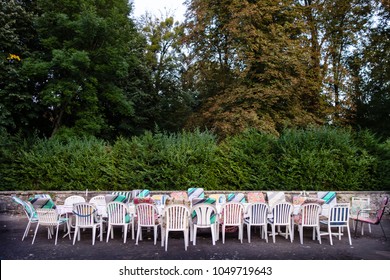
x,y
372,216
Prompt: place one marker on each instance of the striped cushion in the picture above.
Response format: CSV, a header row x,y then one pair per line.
x,y
144,193
116,197
275,198
42,202
127,195
195,193
239,197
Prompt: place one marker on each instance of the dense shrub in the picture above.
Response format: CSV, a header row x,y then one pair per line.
x,y
315,159
322,159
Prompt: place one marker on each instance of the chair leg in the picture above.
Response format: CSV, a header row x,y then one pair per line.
x,y
27,230
76,233
124,233
300,228
383,231
212,228
166,240
138,233
194,232
248,229
273,232
155,234
265,232
223,234
318,234
55,243
349,236
330,235
35,233
93,235
108,232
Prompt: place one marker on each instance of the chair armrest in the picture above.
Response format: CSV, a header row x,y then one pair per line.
x,y
370,212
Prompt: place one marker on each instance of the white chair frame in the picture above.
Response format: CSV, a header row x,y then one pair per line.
x,y
204,212
176,218
86,217
310,217
339,219
281,216
256,215
233,215
146,218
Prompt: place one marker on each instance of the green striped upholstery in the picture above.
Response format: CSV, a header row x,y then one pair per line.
x,y
195,193
239,197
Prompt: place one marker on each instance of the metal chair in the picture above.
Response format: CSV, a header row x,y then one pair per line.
x,y
372,216
30,213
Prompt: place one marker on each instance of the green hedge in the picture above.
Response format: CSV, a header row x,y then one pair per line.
x,y
314,159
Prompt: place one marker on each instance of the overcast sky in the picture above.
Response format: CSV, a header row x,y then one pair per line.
x,y
157,7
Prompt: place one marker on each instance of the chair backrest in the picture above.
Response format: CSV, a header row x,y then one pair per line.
x,y
117,212
339,214
233,213
381,210
27,207
74,199
99,200
85,213
257,213
310,214
48,217
256,197
195,193
359,203
282,213
204,214
146,214
176,217
275,198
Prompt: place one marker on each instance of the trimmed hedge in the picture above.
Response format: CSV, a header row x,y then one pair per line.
x,y
314,159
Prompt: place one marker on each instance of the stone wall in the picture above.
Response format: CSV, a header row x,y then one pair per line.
x,y
7,204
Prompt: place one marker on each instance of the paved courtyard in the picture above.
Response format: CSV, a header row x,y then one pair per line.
x,y
371,246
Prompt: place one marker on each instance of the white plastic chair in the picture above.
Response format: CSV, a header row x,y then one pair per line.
x,y
204,215
175,218
99,200
118,215
86,217
232,215
30,213
74,199
281,216
257,214
339,219
50,219
147,217
309,216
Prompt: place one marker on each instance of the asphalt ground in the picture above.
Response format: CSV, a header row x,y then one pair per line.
x,y
370,246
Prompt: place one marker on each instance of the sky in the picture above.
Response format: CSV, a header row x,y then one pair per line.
x,y
156,7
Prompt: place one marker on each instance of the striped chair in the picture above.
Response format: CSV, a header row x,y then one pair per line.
x,y
42,201
144,193
30,213
120,196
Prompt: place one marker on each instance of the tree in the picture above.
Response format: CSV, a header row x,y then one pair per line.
x,y
372,75
170,102
264,50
